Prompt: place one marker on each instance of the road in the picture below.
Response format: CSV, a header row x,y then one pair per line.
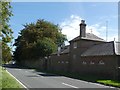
x,y
33,79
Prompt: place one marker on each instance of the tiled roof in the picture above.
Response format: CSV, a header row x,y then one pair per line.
x,y
66,50
106,48
89,36
92,37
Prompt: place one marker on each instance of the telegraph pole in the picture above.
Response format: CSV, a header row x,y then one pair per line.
x,y
106,30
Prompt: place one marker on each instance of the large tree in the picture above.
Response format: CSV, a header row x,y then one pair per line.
x,y
38,40
5,30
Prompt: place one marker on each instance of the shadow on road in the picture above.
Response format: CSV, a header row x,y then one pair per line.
x,y
38,73
32,76
49,75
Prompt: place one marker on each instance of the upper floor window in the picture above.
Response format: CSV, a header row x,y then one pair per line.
x,y
75,45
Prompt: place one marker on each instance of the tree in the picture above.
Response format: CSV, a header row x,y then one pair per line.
x,y
5,30
38,40
6,54
5,14
44,47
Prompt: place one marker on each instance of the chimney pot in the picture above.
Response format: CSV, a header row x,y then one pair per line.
x,y
82,21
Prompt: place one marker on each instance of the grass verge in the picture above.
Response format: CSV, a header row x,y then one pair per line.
x,y
8,81
110,82
0,78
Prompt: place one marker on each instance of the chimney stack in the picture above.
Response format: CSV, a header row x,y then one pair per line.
x,y
82,28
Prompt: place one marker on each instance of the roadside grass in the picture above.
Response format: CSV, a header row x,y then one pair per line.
x,y
89,78
8,81
95,79
0,78
110,82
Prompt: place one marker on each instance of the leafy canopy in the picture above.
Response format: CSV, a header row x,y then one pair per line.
x,y
5,30
38,40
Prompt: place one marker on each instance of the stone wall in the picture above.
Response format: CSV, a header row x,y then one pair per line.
x,y
59,63
98,65
103,66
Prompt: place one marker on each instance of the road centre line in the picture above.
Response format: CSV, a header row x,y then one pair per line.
x,y
18,69
70,85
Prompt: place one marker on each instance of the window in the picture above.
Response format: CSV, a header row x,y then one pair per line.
x,y
74,56
75,45
84,63
92,63
101,62
67,62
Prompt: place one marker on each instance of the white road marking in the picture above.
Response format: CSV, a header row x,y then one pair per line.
x,y
18,80
102,85
70,85
18,69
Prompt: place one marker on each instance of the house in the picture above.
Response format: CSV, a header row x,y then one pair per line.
x,y
88,54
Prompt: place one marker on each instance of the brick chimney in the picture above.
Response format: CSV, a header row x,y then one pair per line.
x,y
82,28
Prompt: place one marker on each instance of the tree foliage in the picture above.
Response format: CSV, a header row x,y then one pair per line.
x,y
44,47
6,53
38,40
5,30
5,14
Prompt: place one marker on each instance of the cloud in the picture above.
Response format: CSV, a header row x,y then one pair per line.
x,y
93,29
70,27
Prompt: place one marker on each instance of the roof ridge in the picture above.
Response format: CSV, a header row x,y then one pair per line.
x,y
89,36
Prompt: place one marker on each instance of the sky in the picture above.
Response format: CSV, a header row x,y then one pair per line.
x,y
99,17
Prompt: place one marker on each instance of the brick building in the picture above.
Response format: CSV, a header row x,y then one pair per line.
x,y
87,54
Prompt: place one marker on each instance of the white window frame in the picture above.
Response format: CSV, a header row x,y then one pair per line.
x,y
84,63
75,45
74,56
67,62
101,62
92,63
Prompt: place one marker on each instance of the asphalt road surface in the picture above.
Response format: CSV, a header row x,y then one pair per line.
x,y
33,79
